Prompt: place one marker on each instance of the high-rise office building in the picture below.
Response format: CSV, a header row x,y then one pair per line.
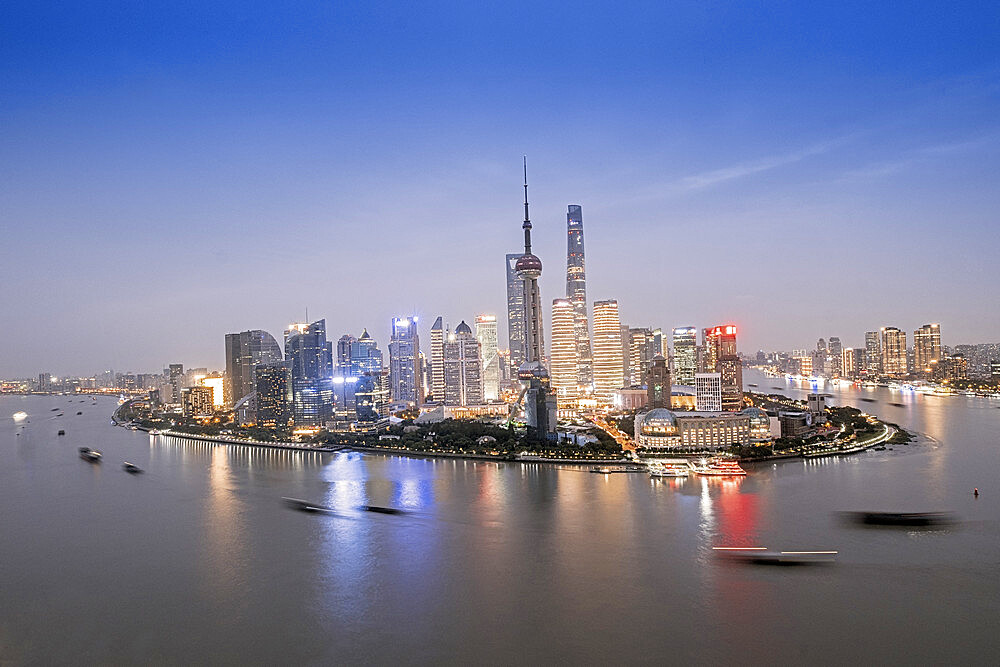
x,y
893,351
927,347
310,356
438,334
609,373
364,357
576,292
626,355
463,379
342,358
642,349
176,381
244,352
835,353
657,382
486,334
404,358
563,366
720,345
515,312
873,353
708,392
274,394
685,355
539,402
851,362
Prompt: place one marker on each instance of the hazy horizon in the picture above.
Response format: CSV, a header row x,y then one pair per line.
x,y
171,175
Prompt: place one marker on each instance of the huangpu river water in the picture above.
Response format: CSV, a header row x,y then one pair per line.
x,y
198,560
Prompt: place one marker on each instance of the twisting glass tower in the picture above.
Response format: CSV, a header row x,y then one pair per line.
x,y
576,292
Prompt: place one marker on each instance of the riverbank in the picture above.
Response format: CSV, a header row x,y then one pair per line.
x,y
424,453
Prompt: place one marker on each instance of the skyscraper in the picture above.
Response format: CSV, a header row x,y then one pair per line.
x,y
539,404
343,354
437,360
608,359
685,355
927,347
244,352
576,292
835,352
642,349
873,353
310,357
893,351
657,380
404,358
563,364
708,392
463,379
364,357
486,334
273,383
720,348
515,312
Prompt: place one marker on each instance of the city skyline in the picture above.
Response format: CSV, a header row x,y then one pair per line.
x,y
153,169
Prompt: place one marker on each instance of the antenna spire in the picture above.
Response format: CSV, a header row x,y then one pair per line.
x,y
527,221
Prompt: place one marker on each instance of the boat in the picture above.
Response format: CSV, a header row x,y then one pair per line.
x,y
79,413
901,518
131,467
765,556
718,467
751,385
61,432
527,456
88,454
54,410
898,405
155,432
380,510
611,469
669,469
867,400
880,448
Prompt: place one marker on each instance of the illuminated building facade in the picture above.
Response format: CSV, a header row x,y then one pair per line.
x,y
873,353
851,362
608,358
708,392
404,361
274,394
835,351
661,429
244,352
685,354
721,354
927,347
893,351
563,366
576,292
437,360
463,378
642,349
310,357
486,334
197,401
218,385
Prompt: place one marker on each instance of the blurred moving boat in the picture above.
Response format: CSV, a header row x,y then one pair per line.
x,y
19,416
901,518
88,454
765,556
131,467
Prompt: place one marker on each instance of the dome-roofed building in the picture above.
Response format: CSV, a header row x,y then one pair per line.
x,y
661,430
760,423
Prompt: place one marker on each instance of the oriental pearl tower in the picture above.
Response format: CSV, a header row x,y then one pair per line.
x,y
539,405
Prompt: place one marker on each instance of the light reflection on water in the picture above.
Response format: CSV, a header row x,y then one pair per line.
x,y
493,559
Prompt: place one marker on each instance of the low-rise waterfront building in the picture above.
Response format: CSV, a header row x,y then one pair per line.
x,y
661,429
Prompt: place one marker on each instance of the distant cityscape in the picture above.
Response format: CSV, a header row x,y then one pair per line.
x,y
691,393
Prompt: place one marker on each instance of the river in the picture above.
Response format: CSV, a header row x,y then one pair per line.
x,y
198,561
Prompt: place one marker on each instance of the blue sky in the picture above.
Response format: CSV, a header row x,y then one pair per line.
x,y
172,172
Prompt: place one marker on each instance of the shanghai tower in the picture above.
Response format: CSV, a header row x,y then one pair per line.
x,y
576,292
